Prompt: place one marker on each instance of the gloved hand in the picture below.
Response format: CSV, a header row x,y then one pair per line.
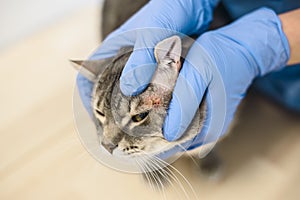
x,y
165,18
225,62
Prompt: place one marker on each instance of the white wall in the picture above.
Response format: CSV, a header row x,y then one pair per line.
x,y
19,19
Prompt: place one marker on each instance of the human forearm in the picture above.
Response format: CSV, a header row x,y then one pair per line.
x,y
291,27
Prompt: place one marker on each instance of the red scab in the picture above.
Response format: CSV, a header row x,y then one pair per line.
x,y
152,101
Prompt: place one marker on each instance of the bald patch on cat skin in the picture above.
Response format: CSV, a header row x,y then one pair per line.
x,y
153,101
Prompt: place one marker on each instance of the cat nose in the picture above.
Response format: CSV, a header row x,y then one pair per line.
x,y
109,146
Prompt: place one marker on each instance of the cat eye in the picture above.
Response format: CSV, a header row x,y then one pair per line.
x,y
171,61
140,117
100,113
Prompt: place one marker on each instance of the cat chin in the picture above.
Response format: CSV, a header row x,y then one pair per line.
x,y
154,146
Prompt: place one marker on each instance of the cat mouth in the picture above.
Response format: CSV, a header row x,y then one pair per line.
x,y
114,150
133,150
130,153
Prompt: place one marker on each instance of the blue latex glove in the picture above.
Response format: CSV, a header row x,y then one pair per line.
x,y
250,47
167,17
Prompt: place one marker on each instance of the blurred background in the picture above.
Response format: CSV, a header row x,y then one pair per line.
x,y
42,156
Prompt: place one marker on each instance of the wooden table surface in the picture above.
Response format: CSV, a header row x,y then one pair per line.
x,y
42,156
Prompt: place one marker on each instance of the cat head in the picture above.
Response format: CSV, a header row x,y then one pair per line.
x,y
132,125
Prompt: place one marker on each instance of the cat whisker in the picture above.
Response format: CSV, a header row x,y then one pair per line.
x,y
157,174
155,177
157,168
177,180
158,162
191,157
141,165
164,172
161,170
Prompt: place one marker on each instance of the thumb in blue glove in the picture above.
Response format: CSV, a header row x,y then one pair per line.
x,y
224,62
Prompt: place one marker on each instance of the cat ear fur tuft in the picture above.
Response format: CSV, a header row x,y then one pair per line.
x,y
169,48
90,69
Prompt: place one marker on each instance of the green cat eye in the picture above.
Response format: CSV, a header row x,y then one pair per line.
x,y
140,117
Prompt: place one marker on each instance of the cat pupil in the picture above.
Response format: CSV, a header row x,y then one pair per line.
x,y
140,117
100,113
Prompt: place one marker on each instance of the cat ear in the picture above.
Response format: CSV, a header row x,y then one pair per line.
x,y
169,48
90,69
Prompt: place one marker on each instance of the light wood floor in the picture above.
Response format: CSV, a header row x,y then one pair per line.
x,y
42,157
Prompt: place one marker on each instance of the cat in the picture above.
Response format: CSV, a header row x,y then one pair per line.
x,y
131,126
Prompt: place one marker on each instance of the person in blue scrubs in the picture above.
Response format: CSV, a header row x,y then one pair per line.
x,y
284,86
254,49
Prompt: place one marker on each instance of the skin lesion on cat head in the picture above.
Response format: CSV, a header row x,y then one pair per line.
x,y
152,101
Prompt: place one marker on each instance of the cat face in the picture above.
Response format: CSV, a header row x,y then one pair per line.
x,y
132,125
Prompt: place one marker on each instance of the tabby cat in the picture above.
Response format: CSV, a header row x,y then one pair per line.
x,y
131,126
